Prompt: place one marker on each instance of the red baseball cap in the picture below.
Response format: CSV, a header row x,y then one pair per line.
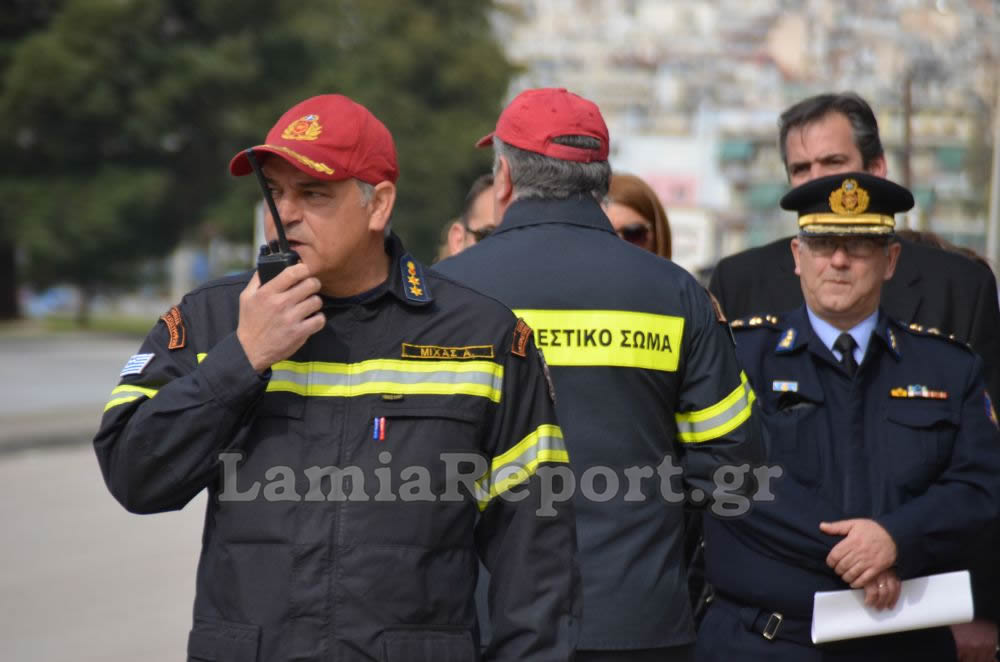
x,y
329,137
537,116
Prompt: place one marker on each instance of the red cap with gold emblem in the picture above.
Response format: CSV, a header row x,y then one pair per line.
x,y
330,137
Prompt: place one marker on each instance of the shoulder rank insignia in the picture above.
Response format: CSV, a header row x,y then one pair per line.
x,y
175,326
522,333
892,341
787,341
414,283
991,413
917,391
784,387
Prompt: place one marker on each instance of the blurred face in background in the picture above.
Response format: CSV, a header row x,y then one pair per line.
x,y
477,226
825,147
637,215
631,226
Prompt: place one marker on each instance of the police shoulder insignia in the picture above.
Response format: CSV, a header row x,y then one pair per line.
x,y
411,351
522,333
304,128
787,342
850,199
175,326
414,283
991,413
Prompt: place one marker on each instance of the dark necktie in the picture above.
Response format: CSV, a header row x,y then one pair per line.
x,y
845,345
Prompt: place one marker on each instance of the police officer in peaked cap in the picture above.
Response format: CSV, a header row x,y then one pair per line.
x,y
885,434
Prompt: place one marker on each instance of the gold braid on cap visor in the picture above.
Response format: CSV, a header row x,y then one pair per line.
x,y
837,224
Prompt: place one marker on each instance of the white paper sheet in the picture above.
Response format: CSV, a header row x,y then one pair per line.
x,y
924,602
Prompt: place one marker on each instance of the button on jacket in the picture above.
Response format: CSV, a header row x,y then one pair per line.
x,y
644,372
344,517
910,441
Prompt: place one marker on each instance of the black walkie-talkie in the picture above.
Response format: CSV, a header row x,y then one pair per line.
x,y
277,255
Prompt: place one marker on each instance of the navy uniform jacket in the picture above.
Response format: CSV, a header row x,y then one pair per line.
x,y
643,371
911,442
335,529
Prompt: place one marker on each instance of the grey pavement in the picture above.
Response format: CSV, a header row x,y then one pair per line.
x,y
80,578
53,387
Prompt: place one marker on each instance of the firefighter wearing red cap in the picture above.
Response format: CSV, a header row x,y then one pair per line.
x,y
366,430
647,383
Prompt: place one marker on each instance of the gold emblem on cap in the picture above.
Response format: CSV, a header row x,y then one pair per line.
x,y
850,199
304,128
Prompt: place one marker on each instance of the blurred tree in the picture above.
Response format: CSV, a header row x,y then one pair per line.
x,y
125,114
17,21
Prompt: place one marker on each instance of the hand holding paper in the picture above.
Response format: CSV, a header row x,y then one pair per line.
x,y
866,550
924,602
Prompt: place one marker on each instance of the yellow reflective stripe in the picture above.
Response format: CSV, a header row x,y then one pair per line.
x,y
201,356
607,338
720,419
320,379
128,393
544,444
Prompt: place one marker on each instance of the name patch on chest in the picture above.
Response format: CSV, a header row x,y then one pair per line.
x,y
411,351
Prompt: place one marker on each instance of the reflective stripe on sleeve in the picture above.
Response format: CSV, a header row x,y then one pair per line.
x,y
718,420
476,378
518,464
127,393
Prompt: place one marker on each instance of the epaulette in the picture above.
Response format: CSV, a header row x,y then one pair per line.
x,y
769,321
934,332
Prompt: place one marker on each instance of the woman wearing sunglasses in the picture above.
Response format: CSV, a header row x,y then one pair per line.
x,y
637,214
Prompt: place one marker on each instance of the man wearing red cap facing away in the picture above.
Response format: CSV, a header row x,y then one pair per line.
x,y
653,403
365,428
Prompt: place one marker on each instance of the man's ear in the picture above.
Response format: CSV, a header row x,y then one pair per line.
x,y
380,207
795,254
456,238
890,267
878,167
503,189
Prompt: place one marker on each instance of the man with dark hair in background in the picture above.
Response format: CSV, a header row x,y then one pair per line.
x,y
644,369
835,133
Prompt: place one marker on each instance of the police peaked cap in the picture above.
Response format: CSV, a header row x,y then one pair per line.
x,y
852,203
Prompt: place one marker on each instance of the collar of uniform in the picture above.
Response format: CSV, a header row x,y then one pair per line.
x,y
581,210
792,336
407,277
888,335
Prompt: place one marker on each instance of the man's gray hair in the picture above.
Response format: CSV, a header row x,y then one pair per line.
x,y
367,192
536,176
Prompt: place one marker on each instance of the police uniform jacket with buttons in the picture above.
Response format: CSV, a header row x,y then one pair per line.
x,y
643,371
298,566
911,442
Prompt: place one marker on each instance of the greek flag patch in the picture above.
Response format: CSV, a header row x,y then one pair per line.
x,y
136,364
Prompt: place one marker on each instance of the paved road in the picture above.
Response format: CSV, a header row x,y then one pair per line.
x,y
80,578
53,387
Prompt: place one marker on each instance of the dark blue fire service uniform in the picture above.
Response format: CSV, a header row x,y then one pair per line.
x,y
644,372
335,528
911,442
